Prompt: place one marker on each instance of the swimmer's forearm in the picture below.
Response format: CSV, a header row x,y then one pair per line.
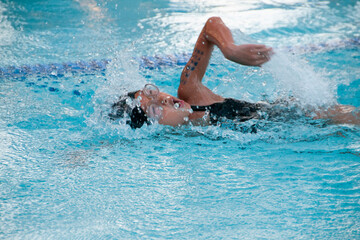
x,y
216,32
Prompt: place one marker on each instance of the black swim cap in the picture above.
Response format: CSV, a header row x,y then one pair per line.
x,y
137,115
138,118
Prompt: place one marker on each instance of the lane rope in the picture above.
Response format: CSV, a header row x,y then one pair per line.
x,y
147,62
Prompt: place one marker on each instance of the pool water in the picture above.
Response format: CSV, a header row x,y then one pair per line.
x,y
68,172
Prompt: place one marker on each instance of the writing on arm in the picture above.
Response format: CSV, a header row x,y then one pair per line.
x,y
215,32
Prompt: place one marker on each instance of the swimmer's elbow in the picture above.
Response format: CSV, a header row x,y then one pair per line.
x,y
213,21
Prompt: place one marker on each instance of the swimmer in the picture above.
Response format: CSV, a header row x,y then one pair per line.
x,y
197,104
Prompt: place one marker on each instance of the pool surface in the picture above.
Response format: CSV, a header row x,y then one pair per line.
x,y
68,172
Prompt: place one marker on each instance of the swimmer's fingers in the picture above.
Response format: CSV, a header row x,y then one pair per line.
x,y
263,57
259,63
261,54
262,51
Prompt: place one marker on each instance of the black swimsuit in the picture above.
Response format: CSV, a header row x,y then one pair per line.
x,y
231,109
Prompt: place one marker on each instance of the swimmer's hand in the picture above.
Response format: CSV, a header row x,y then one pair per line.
x,y
248,54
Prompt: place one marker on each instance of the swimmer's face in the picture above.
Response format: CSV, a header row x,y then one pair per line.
x,y
160,106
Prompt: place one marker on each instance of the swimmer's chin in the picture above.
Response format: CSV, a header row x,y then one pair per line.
x,y
186,121
173,121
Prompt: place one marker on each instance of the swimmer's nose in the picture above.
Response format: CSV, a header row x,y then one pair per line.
x,y
165,100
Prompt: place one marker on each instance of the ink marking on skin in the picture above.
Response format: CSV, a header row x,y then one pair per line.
x,y
195,63
202,53
182,79
192,69
198,59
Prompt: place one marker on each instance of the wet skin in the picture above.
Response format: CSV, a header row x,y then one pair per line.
x,y
177,111
191,89
174,112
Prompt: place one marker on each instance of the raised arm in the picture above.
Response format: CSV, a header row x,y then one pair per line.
x,y
215,32
247,54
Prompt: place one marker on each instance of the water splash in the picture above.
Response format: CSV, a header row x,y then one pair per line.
x,y
7,33
121,76
297,79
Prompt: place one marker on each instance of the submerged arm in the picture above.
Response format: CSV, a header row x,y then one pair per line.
x,y
215,32
340,114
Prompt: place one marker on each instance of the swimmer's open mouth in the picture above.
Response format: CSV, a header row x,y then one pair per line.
x,y
178,103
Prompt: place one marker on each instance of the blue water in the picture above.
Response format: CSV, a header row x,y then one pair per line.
x,y
67,172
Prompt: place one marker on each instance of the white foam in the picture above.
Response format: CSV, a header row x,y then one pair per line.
x,y
122,76
7,32
296,78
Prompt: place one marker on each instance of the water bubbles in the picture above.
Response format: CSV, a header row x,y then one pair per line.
x,y
140,26
128,101
176,105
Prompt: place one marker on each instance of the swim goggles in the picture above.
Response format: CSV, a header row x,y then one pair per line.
x,y
153,110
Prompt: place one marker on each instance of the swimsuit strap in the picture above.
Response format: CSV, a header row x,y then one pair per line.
x,y
200,108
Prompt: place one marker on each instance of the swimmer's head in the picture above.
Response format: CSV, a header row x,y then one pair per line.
x,y
152,105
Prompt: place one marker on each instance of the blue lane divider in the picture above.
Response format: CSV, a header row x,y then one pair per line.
x,y
53,69
167,60
149,62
